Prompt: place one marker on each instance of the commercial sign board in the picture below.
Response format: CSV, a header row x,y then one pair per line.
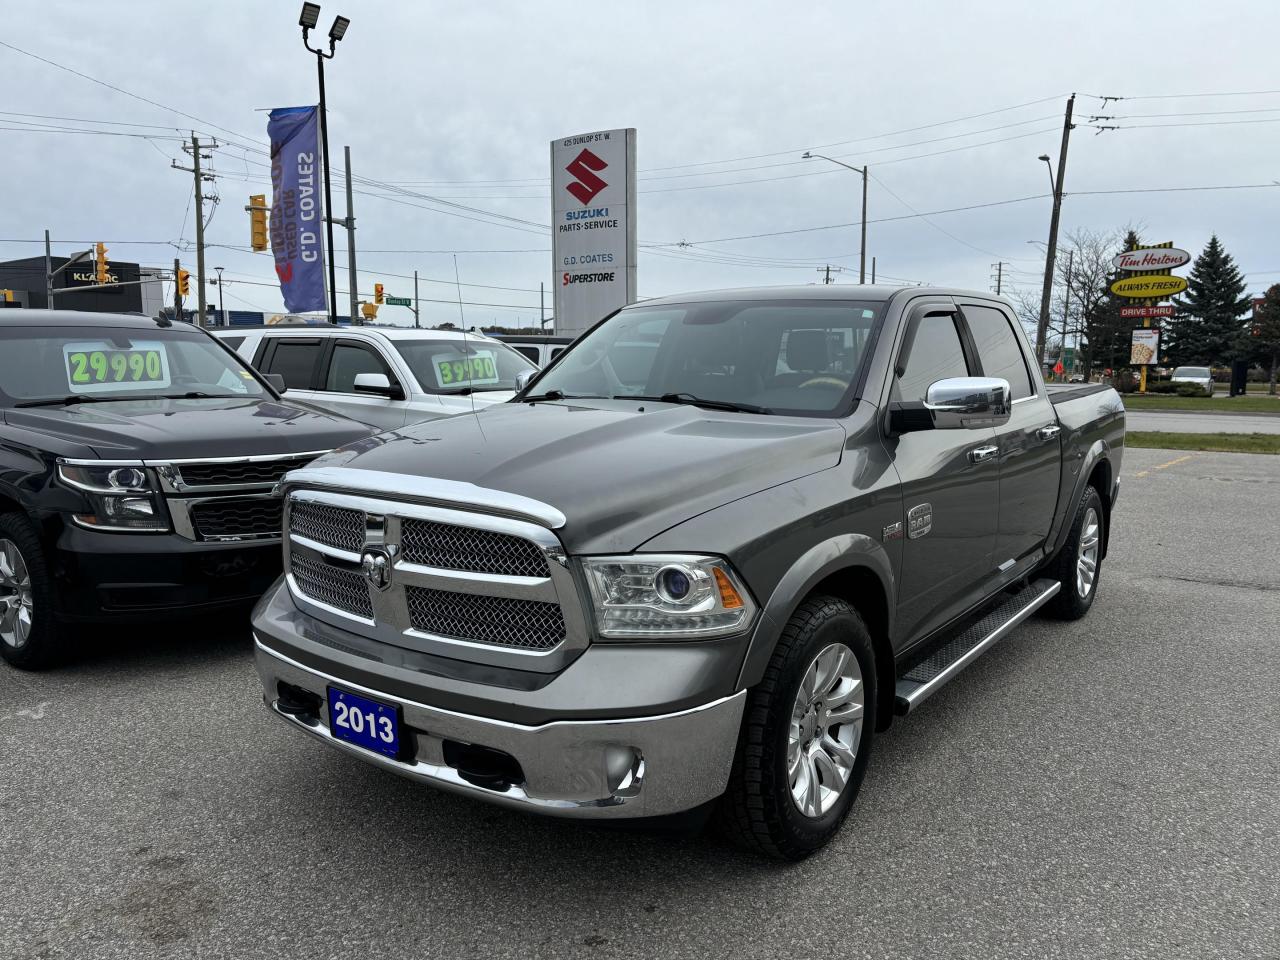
x,y
1144,350
1146,259
1143,313
1149,287
593,201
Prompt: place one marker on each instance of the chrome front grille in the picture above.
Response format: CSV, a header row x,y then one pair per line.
x,y
331,526
502,621
340,587
450,582
463,548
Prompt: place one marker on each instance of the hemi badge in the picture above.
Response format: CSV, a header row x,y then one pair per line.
x,y
893,531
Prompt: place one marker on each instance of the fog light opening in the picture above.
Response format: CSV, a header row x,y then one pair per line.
x,y
624,770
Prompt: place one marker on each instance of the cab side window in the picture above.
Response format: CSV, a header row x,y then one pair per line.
x,y
998,348
530,352
350,359
935,354
295,359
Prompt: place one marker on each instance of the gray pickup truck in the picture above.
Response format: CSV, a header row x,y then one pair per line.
x,y
699,562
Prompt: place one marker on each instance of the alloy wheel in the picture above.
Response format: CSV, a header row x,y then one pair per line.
x,y
15,595
1087,557
826,728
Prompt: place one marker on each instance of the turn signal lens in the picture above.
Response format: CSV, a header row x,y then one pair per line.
x,y
730,599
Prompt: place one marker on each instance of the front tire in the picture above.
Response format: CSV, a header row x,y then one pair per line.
x,y
806,735
1079,565
29,636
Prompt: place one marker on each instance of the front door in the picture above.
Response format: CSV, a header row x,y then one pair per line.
x,y
949,484
348,359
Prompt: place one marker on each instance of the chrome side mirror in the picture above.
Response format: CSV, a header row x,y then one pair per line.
x,y
523,378
959,403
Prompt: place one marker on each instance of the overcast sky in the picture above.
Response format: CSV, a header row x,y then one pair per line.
x,y
460,101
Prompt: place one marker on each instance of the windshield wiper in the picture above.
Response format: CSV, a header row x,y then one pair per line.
x,y
193,395
691,400
559,395
469,390
67,400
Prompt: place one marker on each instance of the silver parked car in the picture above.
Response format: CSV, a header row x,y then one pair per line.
x,y
383,376
1201,376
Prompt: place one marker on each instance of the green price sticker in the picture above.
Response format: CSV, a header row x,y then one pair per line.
x,y
464,370
99,367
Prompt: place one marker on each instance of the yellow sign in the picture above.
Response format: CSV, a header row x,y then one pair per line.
x,y
1149,287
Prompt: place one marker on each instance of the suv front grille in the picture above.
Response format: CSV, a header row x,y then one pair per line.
x,y
331,526
502,621
215,473
341,587
237,517
465,548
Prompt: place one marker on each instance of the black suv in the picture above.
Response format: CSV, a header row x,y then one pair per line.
x,y
138,464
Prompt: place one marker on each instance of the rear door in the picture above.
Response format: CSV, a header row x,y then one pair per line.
x,y
949,483
298,360
1030,451
347,359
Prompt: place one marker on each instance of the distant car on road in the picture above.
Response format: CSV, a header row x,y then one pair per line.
x,y
384,376
1201,376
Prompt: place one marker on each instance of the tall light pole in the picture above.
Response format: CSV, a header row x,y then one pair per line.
x,y
307,20
862,249
1051,253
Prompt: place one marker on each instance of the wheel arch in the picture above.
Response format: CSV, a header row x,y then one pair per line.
x,y
852,567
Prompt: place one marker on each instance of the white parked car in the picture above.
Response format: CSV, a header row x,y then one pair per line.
x,y
1201,376
383,376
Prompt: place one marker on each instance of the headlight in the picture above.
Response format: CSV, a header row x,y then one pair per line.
x,y
667,596
121,495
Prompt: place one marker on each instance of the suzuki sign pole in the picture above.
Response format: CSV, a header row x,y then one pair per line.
x,y
593,242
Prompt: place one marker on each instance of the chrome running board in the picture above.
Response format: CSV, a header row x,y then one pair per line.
x,y
926,677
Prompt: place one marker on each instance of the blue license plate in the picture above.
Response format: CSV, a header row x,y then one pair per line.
x,y
366,723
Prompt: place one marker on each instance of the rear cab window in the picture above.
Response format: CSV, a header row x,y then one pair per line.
x,y
999,349
295,359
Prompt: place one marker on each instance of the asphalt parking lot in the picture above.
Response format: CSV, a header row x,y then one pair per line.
x,y
1108,788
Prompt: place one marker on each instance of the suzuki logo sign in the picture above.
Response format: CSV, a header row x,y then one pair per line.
x,y
583,170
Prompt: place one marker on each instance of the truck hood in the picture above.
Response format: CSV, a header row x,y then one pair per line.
x,y
177,429
620,472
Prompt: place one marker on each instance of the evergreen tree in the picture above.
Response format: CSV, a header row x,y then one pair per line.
x,y
1107,334
1261,339
1206,325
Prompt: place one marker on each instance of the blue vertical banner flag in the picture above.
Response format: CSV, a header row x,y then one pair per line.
x,y
296,216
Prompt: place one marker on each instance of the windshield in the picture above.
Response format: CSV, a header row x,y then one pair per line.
x,y
100,362
1199,373
802,357
446,366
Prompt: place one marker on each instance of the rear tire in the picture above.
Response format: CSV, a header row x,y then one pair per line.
x,y
1078,565
806,735
29,635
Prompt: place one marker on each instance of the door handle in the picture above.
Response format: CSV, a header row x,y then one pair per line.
x,y
1049,432
980,454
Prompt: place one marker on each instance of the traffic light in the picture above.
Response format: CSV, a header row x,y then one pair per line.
x,y
369,311
101,273
184,282
257,208
8,296
377,293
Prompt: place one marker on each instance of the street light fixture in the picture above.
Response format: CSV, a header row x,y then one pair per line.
x,y
862,249
309,17
1049,164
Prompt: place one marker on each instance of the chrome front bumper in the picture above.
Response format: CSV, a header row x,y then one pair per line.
x,y
635,767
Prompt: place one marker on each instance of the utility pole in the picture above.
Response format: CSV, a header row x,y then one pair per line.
x,y
873,270
999,267
542,305
416,319
827,273
350,224
194,149
1042,327
48,274
862,246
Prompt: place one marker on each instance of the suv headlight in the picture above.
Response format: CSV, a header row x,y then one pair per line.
x,y
121,495
667,596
